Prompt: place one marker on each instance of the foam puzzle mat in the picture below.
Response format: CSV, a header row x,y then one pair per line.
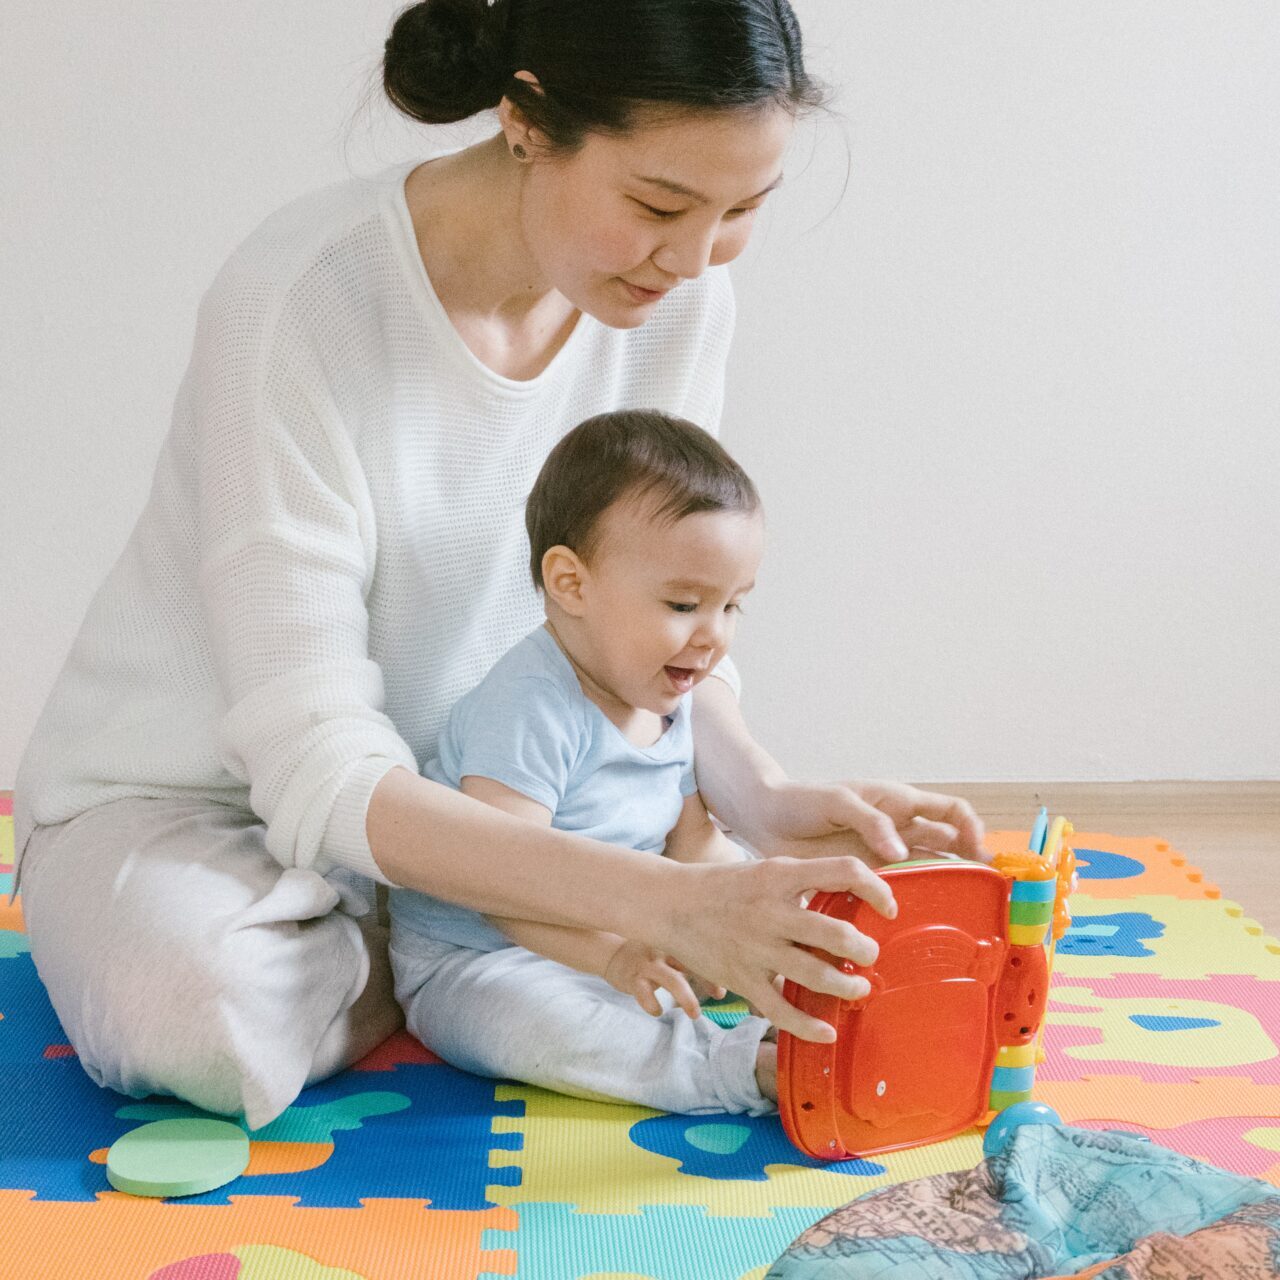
x,y
1164,1019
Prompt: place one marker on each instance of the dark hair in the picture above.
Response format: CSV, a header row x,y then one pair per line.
x,y
596,60
633,453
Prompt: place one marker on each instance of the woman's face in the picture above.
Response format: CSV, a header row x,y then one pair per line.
x,y
623,220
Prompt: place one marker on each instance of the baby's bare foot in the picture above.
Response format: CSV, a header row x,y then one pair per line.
x,y
767,1069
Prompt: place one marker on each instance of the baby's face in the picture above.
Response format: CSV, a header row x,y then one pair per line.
x,y
661,600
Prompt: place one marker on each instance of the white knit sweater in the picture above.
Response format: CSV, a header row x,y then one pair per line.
x,y
333,550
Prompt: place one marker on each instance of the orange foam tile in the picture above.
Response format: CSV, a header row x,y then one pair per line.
x,y
1161,1104
1165,870
11,916
57,1240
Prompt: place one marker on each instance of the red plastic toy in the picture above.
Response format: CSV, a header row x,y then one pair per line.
x,y
951,1029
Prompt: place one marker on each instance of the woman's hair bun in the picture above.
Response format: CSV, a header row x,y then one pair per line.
x,y
446,59
595,61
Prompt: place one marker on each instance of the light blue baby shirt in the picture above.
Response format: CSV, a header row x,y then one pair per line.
x,y
528,725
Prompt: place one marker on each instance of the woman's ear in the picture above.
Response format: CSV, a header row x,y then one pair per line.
x,y
564,577
523,140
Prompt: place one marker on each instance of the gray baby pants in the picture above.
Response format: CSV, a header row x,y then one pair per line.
x,y
181,958
517,1015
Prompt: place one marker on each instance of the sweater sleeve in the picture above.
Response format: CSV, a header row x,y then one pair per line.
x,y
287,546
726,671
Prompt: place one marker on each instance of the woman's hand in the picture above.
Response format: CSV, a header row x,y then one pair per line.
x,y
742,925
878,822
640,971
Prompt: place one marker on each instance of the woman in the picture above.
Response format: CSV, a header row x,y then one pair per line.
x,y
333,552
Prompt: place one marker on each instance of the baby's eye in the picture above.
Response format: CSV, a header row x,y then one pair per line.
x,y
677,607
733,608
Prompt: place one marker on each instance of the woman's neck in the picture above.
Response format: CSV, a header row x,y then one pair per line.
x,y
466,213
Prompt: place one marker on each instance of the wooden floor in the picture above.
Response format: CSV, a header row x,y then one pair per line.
x,y
1231,830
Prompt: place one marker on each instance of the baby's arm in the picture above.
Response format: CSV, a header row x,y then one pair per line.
x,y
695,838
633,969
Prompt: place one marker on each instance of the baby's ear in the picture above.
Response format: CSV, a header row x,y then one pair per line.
x,y
563,577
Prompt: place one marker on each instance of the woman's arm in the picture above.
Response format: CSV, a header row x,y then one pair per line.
x,y
428,837
588,950
737,925
630,967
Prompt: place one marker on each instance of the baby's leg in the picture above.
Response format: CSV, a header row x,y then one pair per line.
x,y
518,1015
767,1069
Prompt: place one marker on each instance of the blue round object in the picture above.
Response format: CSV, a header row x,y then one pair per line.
x,y
998,1131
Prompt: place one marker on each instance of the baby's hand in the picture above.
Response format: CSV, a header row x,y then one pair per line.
x,y
702,989
640,971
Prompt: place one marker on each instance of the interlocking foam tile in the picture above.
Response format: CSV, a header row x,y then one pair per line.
x,y
47,1138
6,844
733,1148
13,941
663,1242
30,1027
401,1047
1227,1120
265,1262
615,1160
1167,1030
1158,1104
420,1131
1164,1019
426,1136
122,1236
609,1159
1171,937
1251,1143
1123,866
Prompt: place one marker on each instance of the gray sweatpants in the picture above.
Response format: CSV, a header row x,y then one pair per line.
x,y
182,959
517,1015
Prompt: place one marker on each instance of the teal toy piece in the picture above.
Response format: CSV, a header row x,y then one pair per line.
x,y
1001,1128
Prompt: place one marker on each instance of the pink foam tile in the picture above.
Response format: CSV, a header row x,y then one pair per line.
x,y
208,1266
1219,1141
1247,1009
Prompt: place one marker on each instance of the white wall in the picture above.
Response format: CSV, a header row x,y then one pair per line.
x,y
1011,398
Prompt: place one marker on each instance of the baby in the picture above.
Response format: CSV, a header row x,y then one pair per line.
x,y
645,539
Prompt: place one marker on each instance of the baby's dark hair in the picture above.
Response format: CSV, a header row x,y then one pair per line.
x,y
641,454
596,61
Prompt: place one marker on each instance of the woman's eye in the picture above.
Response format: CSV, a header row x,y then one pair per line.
x,y
658,213
678,607
733,608
742,213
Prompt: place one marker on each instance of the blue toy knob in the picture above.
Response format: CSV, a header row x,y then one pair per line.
x,y
1000,1129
